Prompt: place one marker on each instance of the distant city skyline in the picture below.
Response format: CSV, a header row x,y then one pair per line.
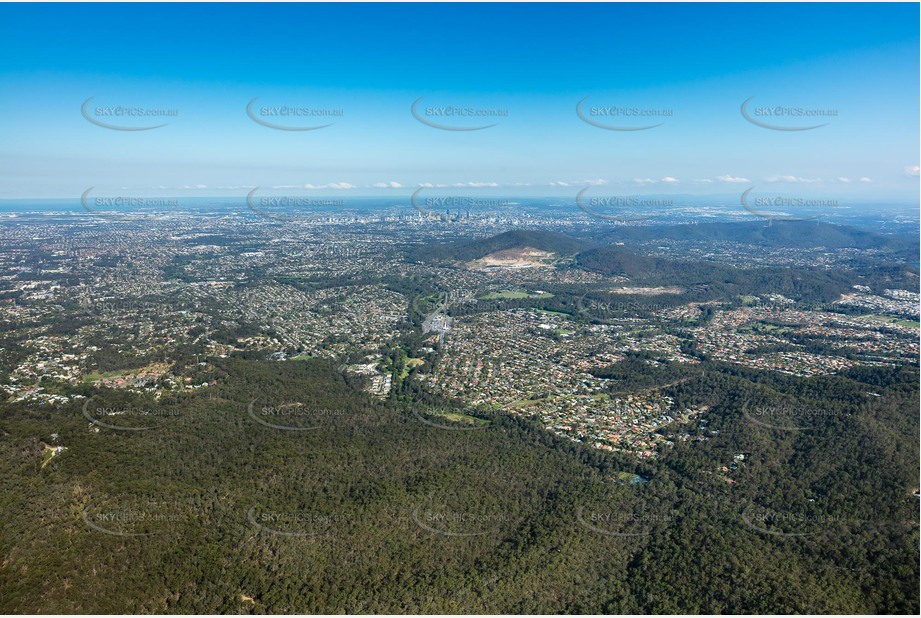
x,y
711,101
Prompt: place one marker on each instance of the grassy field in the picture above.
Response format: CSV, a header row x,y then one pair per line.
x,y
565,315
519,404
457,417
629,477
516,295
890,320
152,369
410,363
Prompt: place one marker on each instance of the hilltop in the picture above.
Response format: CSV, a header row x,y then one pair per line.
x,y
469,250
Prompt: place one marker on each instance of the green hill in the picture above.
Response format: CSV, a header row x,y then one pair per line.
x,y
467,250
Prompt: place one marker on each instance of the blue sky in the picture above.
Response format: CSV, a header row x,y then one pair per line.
x,y
692,65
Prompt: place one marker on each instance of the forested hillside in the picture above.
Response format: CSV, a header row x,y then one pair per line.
x,y
287,490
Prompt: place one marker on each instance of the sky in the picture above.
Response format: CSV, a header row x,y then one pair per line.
x,y
688,69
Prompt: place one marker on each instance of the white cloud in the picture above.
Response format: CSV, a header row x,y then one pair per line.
x,y
702,181
332,185
843,179
790,178
387,185
913,170
203,187
732,179
669,180
456,185
592,182
865,179
643,181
